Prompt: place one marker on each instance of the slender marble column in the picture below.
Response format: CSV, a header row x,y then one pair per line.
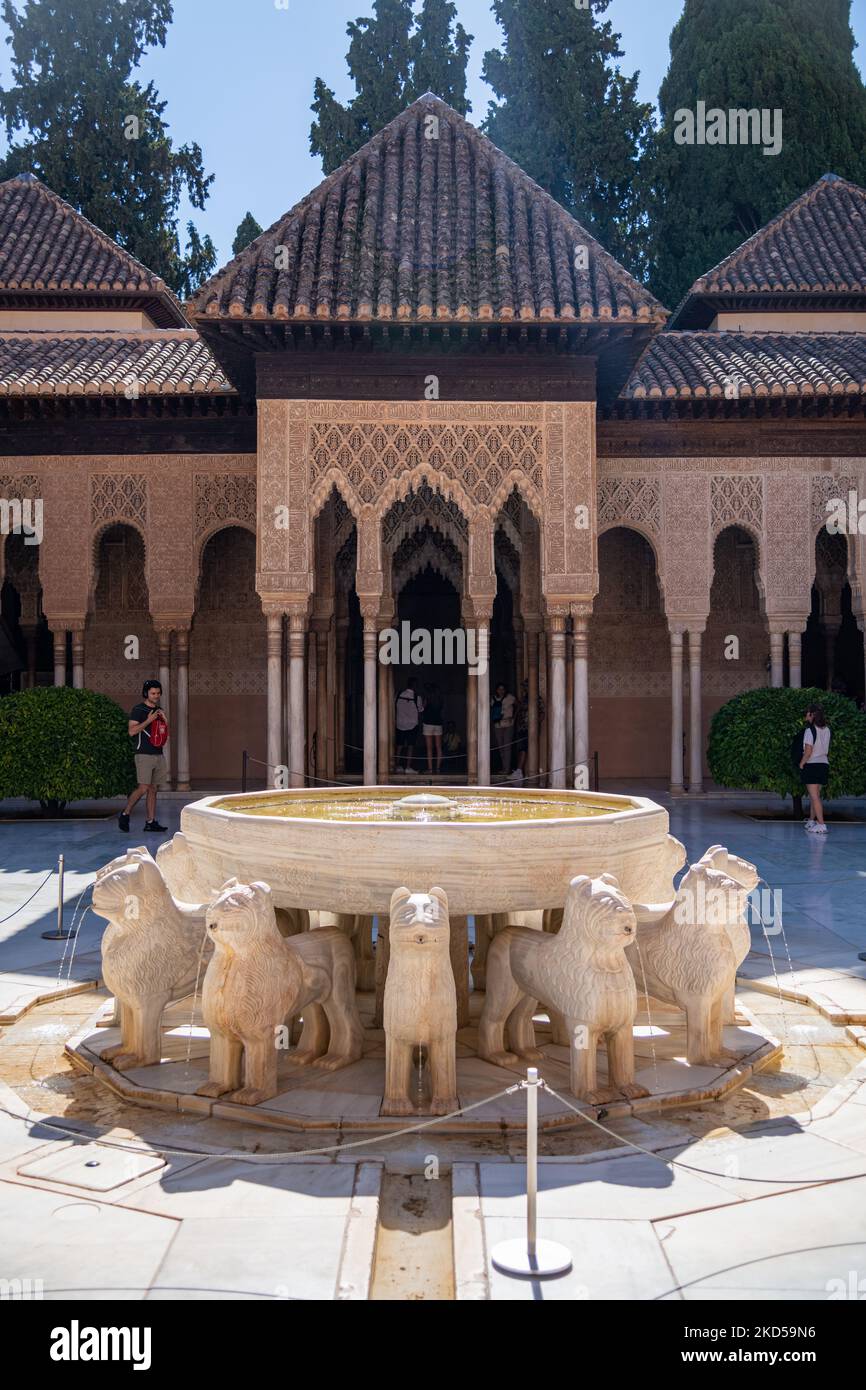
x,y
164,639
795,659
342,631
581,697
557,700
532,696
182,718
322,704
777,652
298,695
696,739
569,709
78,657
482,680
60,656
371,651
677,787
384,723
275,695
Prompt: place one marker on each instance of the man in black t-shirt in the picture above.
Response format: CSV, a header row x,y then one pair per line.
x,y
150,768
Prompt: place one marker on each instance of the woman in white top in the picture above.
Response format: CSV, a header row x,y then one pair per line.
x,y
815,765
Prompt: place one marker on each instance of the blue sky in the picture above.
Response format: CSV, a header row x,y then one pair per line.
x,y
238,77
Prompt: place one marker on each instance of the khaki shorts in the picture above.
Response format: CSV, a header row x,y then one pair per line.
x,y
150,769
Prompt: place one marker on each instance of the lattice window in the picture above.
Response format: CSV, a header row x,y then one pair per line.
x,y
827,487
737,500
635,500
118,497
222,497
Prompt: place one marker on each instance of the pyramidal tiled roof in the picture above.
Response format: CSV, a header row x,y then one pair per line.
x,y
816,246
699,366
427,222
46,246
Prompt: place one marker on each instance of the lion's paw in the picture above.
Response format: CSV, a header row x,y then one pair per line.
x,y
444,1105
212,1089
300,1059
602,1095
398,1106
531,1054
330,1062
250,1095
502,1059
125,1061
632,1091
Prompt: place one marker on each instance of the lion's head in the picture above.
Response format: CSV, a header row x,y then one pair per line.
x,y
717,857
599,914
241,915
710,899
130,890
419,919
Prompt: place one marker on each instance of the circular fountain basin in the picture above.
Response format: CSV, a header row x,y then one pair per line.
x,y
495,850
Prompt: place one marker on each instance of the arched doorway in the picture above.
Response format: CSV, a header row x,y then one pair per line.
x,y
121,648
26,654
629,661
736,644
228,656
833,643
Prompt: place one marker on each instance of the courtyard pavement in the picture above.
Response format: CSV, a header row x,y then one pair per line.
x,y
777,1211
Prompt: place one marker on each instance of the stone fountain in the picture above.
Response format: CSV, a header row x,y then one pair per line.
x,y
582,943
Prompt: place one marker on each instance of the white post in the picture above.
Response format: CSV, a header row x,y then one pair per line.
x,y
531,1257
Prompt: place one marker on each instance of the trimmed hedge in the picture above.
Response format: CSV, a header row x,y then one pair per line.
x,y
750,742
58,744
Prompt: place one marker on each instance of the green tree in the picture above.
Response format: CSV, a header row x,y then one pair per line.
x,y
788,55
95,135
571,118
247,231
393,58
59,745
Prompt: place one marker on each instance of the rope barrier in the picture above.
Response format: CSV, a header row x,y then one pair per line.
x,y
335,782
28,900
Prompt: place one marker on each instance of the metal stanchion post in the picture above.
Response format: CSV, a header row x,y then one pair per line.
x,y
59,934
532,1258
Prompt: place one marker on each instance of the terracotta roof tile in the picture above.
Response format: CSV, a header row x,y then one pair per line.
x,y
46,246
817,246
154,361
415,228
695,366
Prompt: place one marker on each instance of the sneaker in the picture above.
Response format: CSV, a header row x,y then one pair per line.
x,y
123,822
154,825
808,824
816,829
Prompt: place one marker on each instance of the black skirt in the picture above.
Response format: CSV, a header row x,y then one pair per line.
x,y
815,774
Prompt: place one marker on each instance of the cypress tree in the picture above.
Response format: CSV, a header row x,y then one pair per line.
x,y
95,136
392,59
247,231
571,118
788,55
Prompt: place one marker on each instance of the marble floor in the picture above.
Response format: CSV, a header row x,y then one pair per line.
x,y
734,1208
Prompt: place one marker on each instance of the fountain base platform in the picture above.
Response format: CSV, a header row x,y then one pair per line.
x,y
351,1099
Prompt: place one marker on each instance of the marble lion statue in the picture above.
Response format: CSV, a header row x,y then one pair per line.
x,y
258,979
180,871
152,951
744,873
420,1006
580,971
687,958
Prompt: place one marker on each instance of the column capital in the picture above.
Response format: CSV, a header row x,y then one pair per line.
x,y
580,613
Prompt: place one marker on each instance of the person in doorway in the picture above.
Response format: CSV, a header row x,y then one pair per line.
x,y
503,709
148,727
407,717
431,727
815,765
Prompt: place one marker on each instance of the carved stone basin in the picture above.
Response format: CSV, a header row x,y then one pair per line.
x,y
492,849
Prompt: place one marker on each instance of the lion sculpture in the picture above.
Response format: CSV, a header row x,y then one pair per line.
x,y
744,873
420,1007
687,958
153,951
581,972
257,980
